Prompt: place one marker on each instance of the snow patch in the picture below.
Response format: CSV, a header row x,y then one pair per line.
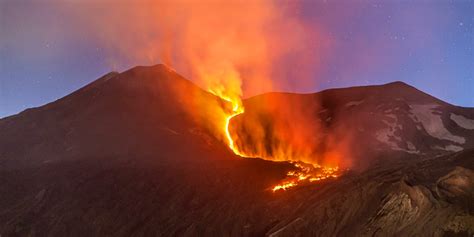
x,y
410,146
393,116
453,148
323,111
388,136
432,122
462,121
170,130
384,136
354,103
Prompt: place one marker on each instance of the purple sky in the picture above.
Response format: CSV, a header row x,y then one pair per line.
x,y
428,44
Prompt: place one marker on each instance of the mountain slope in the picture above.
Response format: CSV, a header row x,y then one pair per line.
x,y
136,112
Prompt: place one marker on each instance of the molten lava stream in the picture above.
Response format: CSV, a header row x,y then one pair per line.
x,y
236,111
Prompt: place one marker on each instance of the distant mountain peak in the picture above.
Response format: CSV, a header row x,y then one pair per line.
x,y
162,68
398,83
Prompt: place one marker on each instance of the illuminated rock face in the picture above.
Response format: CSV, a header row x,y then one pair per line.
x,y
125,156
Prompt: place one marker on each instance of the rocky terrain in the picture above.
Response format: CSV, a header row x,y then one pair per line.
x,y
123,157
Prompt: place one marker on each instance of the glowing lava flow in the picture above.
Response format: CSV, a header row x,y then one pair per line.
x,y
236,111
303,173
306,173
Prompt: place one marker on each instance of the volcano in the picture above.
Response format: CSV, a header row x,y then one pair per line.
x,y
124,156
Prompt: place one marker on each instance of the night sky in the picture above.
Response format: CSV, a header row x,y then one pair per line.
x,y
428,44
